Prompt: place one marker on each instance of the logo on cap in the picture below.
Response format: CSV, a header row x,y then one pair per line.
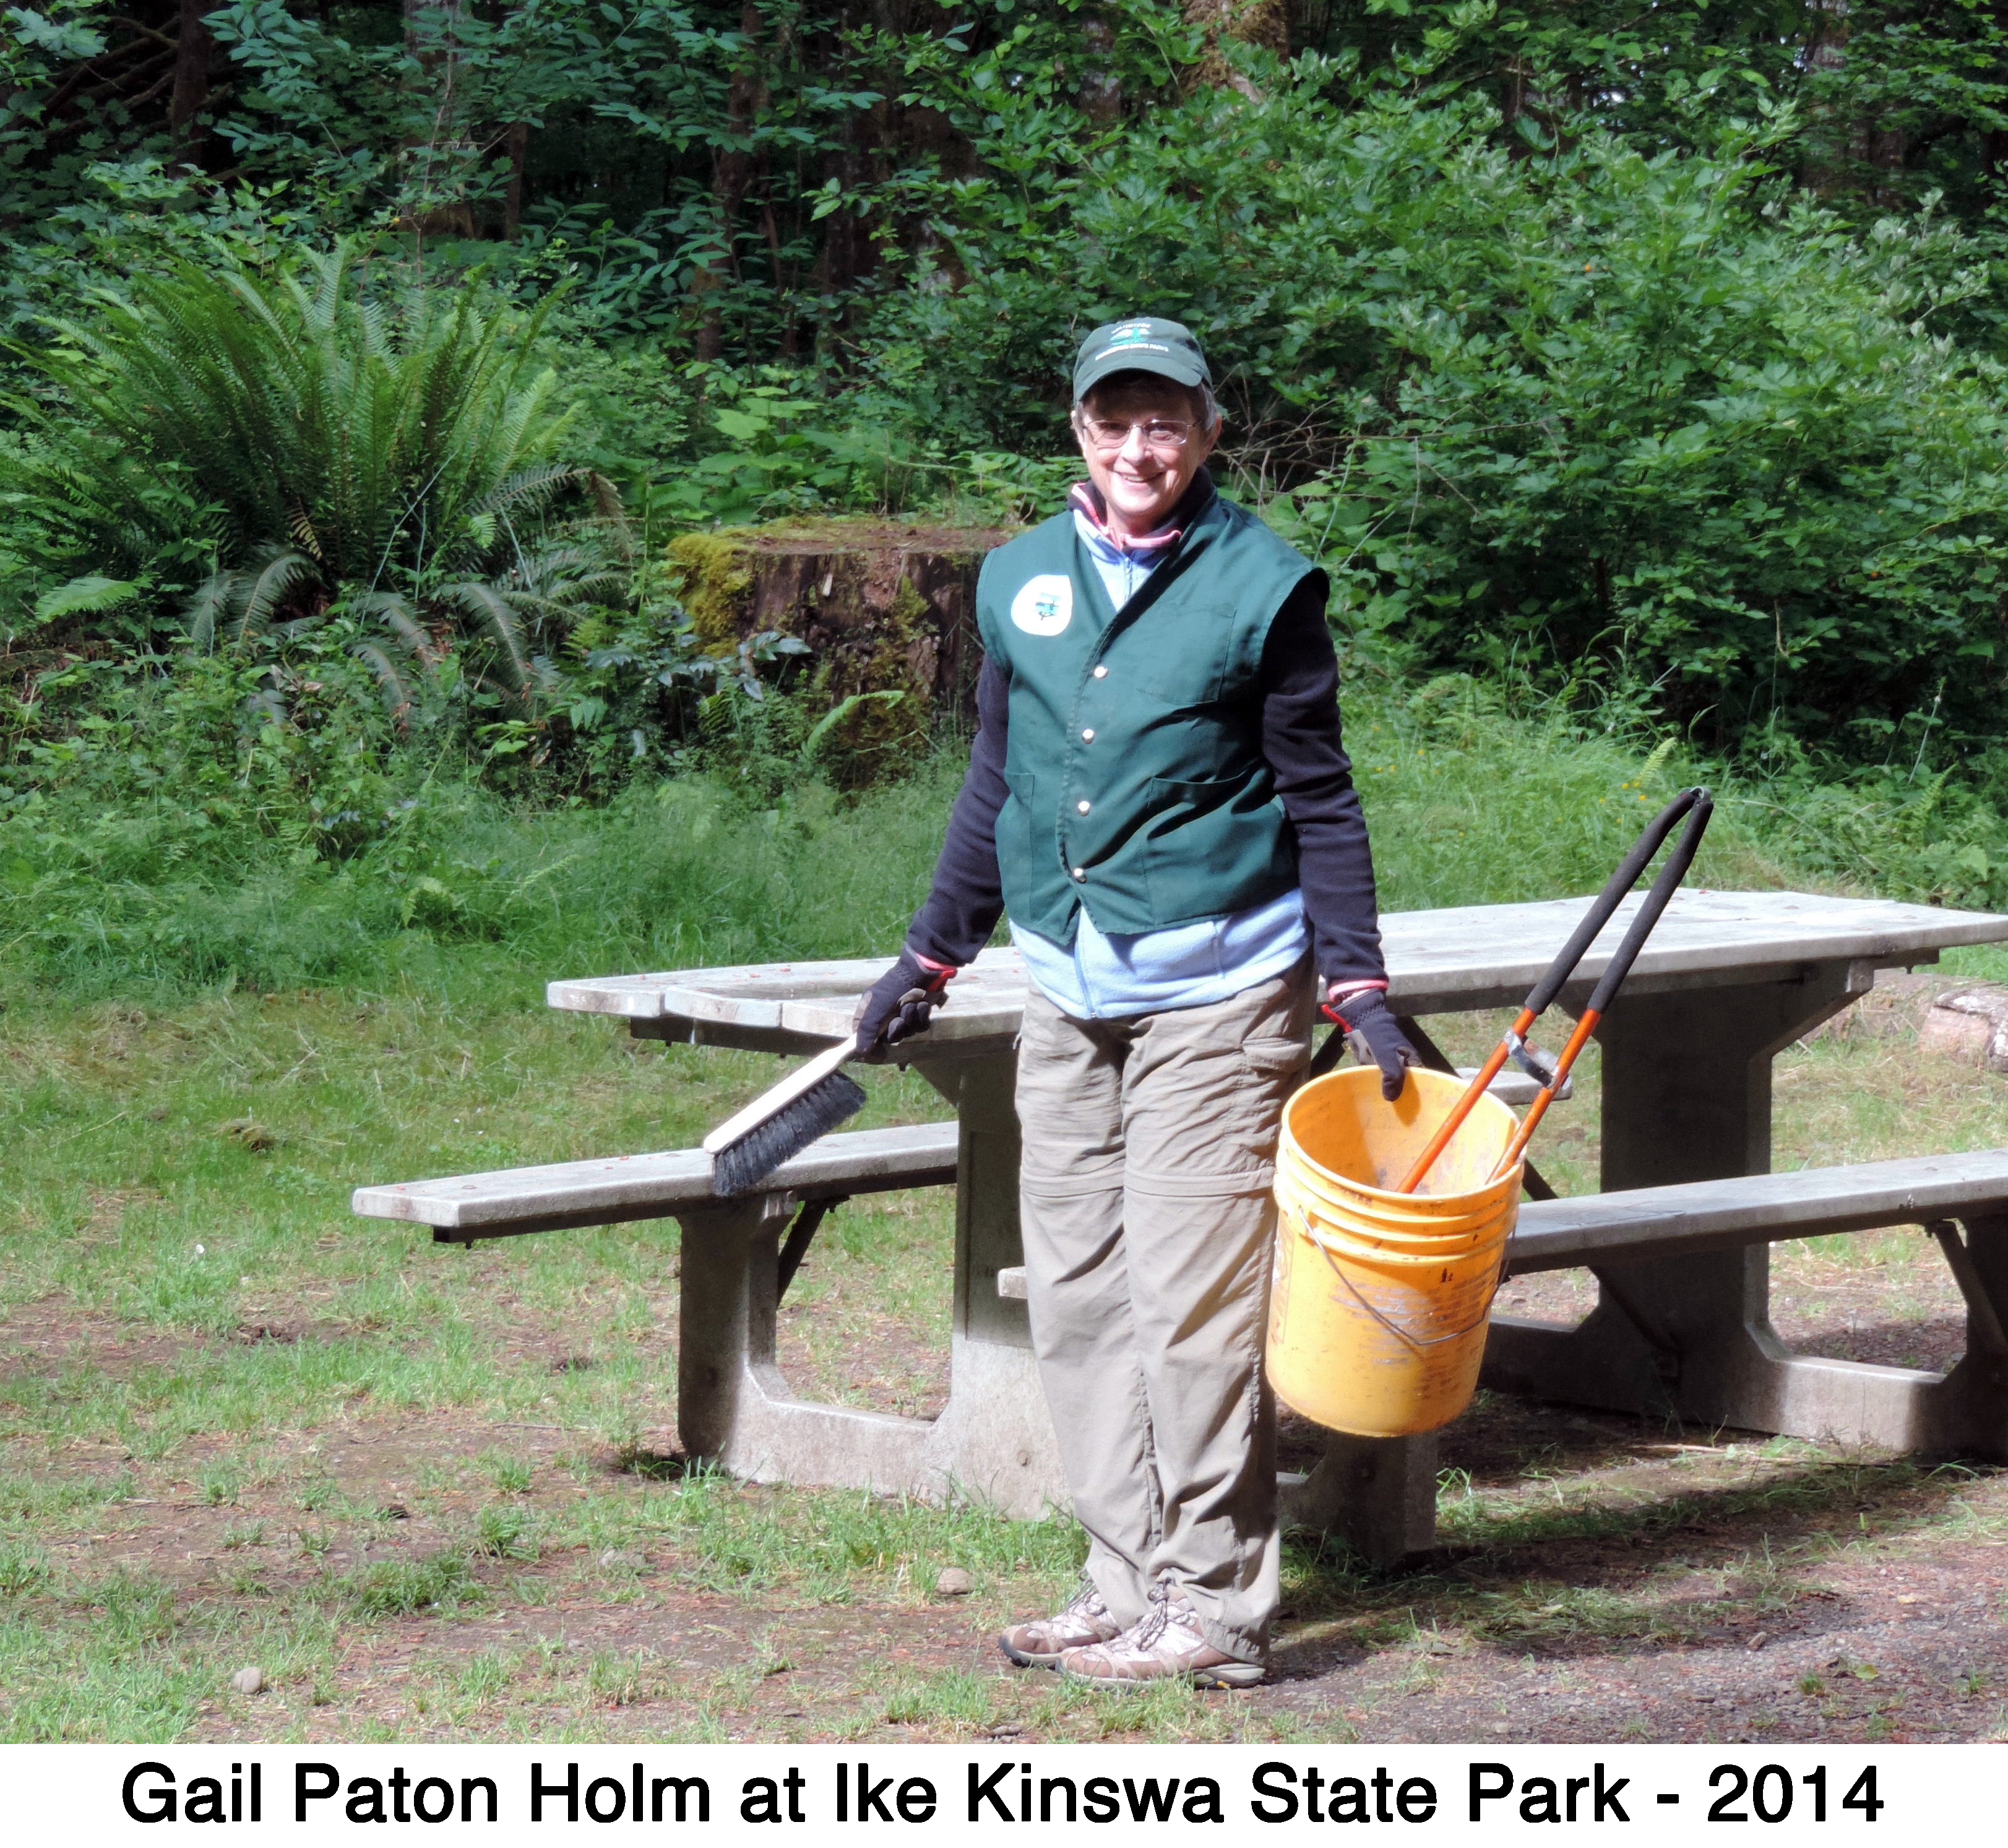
x,y
1044,605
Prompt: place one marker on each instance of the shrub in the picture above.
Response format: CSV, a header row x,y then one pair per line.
x,y
1531,405
379,437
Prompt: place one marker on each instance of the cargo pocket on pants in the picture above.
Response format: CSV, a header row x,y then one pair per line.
x,y
1274,1066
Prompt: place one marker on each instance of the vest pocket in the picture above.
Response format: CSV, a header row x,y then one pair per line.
x,y
1016,831
1211,847
1190,670
1171,804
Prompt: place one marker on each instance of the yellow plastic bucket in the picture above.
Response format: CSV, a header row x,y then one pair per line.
x,y
1378,1310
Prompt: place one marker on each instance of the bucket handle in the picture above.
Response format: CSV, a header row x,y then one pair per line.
x,y
1402,1334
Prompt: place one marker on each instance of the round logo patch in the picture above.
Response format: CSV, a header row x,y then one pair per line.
x,y
1044,605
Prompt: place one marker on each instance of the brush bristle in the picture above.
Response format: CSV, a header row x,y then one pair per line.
x,y
740,1166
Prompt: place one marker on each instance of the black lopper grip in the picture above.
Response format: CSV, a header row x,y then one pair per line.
x,y
1697,805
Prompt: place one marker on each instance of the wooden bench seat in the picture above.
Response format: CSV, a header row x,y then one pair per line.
x,y
506,1202
462,1208
1713,1215
1379,1493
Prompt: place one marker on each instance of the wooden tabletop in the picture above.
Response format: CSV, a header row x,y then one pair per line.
x,y
1438,962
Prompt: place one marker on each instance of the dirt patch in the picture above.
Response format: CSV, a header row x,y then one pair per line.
x,y
1600,1577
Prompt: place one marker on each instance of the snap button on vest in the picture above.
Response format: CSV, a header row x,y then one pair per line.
x,y
1079,874
1101,672
1082,807
1087,737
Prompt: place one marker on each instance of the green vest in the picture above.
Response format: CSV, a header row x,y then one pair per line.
x,y
1138,787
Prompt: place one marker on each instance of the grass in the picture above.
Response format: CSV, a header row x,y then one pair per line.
x,y
433,1490
462,896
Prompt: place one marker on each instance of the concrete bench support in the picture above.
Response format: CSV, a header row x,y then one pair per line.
x,y
1377,1494
735,1408
993,1441
1686,1097
1748,1378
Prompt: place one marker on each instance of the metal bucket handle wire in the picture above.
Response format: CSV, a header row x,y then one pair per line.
x,y
1402,1334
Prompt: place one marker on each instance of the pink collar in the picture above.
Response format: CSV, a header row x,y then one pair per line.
x,y
1086,499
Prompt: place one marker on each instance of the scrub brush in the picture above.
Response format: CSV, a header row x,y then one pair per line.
x,y
808,1104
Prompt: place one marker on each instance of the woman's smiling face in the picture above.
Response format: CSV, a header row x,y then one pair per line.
x,y
1141,480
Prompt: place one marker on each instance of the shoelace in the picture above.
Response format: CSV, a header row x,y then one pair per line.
x,y
1086,1602
1157,1619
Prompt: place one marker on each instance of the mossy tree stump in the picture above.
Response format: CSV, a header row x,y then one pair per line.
x,y
885,608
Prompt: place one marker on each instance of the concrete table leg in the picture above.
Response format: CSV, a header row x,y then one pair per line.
x,y
734,1408
992,1442
1966,1414
1377,1494
1687,1096
725,1307
996,1437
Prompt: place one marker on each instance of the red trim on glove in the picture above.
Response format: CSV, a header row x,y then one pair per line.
x,y
1340,992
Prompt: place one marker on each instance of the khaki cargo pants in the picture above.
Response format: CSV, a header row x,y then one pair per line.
x,y
1144,1200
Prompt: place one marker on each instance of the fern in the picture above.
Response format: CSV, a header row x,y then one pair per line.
x,y
299,414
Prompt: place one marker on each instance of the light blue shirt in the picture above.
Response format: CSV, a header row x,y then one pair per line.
x,y
1122,573
1182,965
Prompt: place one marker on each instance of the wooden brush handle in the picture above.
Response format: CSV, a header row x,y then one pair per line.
x,y
770,1104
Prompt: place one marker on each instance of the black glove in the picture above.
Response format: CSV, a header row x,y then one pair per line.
x,y
1369,1025
900,1003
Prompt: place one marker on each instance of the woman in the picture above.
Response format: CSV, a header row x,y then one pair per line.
x,y
1159,797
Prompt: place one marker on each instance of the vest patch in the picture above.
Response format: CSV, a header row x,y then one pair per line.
x,y
1044,605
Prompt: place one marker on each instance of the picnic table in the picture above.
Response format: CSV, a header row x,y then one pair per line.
x,y
1728,980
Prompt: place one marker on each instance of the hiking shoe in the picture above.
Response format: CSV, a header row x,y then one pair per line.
x,y
1165,1643
1040,1644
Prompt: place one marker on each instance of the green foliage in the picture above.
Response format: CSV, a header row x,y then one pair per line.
x,y
383,434
1939,838
1652,411
1890,100
287,857
166,839
1638,361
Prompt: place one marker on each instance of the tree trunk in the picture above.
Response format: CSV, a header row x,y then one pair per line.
x,y
1889,149
1264,23
1101,95
885,609
1827,50
732,170
518,143
431,214
195,49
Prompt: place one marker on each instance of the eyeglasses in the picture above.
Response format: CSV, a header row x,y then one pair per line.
x,y
1112,433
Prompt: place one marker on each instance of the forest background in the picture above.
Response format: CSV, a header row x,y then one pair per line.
x,y
1637,372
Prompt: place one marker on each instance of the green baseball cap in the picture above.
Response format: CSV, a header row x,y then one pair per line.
x,y
1144,344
